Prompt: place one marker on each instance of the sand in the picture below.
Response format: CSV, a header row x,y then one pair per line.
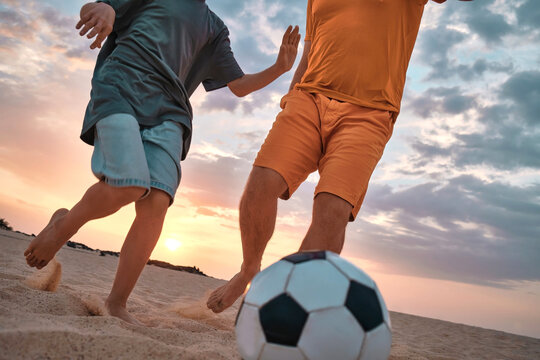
x,y
57,313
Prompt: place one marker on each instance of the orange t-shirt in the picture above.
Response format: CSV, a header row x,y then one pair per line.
x,y
360,49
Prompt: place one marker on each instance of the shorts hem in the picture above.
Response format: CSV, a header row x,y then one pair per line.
x,y
166,188
269,165
127,183
354,203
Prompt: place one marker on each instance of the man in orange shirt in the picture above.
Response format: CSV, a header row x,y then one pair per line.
x,y
337,118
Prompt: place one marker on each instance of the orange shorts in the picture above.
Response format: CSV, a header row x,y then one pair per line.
x,y
342,140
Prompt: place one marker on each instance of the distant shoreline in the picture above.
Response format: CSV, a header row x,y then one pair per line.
x,y
159,263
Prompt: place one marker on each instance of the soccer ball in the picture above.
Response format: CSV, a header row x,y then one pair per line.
x,y
313,305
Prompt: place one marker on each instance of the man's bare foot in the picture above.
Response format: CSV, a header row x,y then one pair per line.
x,y
43,248
224,296
120,311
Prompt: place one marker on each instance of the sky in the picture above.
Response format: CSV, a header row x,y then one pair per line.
x,y
450,226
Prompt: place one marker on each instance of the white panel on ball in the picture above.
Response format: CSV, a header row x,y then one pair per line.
x,y
269,283
280,352
317,284
377,344
350,269
331,334
251,339
386,314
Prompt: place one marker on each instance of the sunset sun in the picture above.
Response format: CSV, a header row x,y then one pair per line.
x,y
172,244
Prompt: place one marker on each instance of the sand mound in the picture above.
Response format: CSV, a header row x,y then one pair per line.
x,y
46,279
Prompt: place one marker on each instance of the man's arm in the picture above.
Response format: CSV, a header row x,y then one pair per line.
x,y
302,66
285,60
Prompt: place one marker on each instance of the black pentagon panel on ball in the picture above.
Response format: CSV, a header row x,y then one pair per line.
x,y
282,320
303,256
363,303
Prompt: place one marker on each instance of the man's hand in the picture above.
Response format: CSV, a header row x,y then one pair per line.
x,y
288,49
98,18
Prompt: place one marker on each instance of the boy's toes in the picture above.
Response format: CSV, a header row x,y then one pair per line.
x,y
28,251
33,262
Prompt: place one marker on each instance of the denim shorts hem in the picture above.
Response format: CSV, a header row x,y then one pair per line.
x,y
160,186
127,182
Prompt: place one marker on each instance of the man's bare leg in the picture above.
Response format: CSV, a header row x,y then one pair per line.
x,y
140,241
258,210
330,218
100,200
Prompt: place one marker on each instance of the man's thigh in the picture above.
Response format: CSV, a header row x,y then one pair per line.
x,y
353,146
293,146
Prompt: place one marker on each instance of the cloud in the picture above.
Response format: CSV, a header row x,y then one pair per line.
x,y
528,15
442,100
465,230
523,89
490,26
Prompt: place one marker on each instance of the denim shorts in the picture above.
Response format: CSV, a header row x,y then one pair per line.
x,y
126,154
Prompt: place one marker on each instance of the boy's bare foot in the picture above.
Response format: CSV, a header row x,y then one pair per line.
x,y
224,296
43,248
120,311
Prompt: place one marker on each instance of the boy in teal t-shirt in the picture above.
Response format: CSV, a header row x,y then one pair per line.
x,y
139,118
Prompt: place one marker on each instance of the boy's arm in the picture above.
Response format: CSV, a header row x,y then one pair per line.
x,y
302,66
285,60
98,18
441,1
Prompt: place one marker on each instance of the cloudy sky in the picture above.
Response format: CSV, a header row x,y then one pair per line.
x,y
450,227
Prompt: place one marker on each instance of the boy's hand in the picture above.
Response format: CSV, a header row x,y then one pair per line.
x,y
99,18
288,49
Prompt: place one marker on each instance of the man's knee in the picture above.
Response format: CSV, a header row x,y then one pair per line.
x,y
331,211
154,205
264,182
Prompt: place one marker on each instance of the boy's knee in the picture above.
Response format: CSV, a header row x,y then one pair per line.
x,y
127,195
155,204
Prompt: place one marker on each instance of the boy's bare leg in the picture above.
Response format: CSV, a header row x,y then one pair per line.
x,y
258,210
140,241
100,200
330,218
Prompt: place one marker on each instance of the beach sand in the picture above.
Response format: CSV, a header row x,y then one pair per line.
x,y
57,313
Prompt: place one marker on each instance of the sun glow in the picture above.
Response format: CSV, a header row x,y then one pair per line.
x,y
172,244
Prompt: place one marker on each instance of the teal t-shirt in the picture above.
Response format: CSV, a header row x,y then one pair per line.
x,y
152,62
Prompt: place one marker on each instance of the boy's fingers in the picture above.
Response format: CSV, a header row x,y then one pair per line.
x,y
88,25
94,31
98,41
286,34
85,29
79,24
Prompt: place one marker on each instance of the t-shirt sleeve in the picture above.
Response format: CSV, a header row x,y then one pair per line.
x,y
222,67
309,22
